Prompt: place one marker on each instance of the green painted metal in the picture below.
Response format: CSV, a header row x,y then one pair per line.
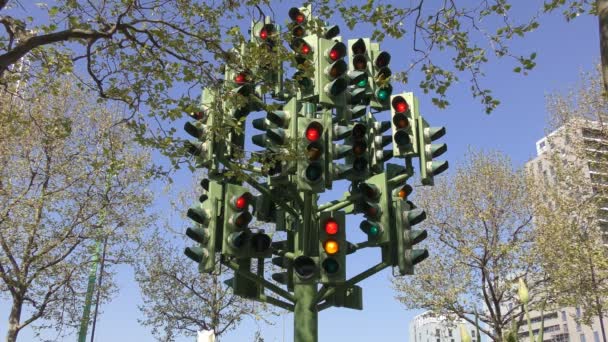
x,y
305,327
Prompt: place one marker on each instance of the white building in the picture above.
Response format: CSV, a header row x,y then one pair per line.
x,y
429,327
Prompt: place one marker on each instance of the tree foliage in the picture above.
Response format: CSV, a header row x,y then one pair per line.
x,y
69,177
151,54
481,243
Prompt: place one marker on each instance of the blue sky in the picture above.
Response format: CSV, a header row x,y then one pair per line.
x,y
564,49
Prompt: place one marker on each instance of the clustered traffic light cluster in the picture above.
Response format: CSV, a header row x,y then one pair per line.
x,y
327,117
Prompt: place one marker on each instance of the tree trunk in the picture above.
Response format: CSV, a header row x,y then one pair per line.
x,y
602,14
13,320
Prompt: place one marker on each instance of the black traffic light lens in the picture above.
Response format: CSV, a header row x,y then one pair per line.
x,y
237,240
360,62
359,131
304,267
400,121
338,86
337,69
360,164
331,266
402,138
260,242
359,148
383,59
298,31
314,151
313,172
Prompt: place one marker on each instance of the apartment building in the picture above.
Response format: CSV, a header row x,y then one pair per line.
x,y
430,327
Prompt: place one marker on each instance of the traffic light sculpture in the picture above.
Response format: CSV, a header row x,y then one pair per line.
x,y
308,123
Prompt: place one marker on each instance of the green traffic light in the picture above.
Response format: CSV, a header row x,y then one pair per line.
x,y
374,230
362,83
383,94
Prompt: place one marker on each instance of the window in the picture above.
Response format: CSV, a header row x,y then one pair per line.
x,y
578,312
473,333
565,328
450,332
564,316
578,326
596,336
437,332
583,338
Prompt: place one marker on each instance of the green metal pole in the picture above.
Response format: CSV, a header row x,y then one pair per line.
x,y
305,320
86,311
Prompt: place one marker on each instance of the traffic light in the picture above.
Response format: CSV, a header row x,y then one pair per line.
x,y
205,214
305,268
404,111
359,71
381,73
239,84
378,141
311,151
299,17
265,34
332,247
277,125
239,240
357,160
429,167
406,216
203,148
373,203
331,71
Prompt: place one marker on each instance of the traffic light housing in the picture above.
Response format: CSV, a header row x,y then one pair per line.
x,y
204,147
266,34
205,231
429,168
332,247
331,72
277,125
311,155
305,49
238,240
404,113
357,160
381,87
373,203
406,216
378,156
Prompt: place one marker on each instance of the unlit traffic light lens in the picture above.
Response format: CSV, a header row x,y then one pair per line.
x,y
331,266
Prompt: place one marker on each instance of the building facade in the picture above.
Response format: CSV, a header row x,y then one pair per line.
x,y
594,139
562,326
430,327
591,138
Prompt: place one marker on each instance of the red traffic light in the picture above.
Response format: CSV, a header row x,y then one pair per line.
x,y
313,131
337,51
305,49
400,105
242,201
240,78
331,227
296,15
264,34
